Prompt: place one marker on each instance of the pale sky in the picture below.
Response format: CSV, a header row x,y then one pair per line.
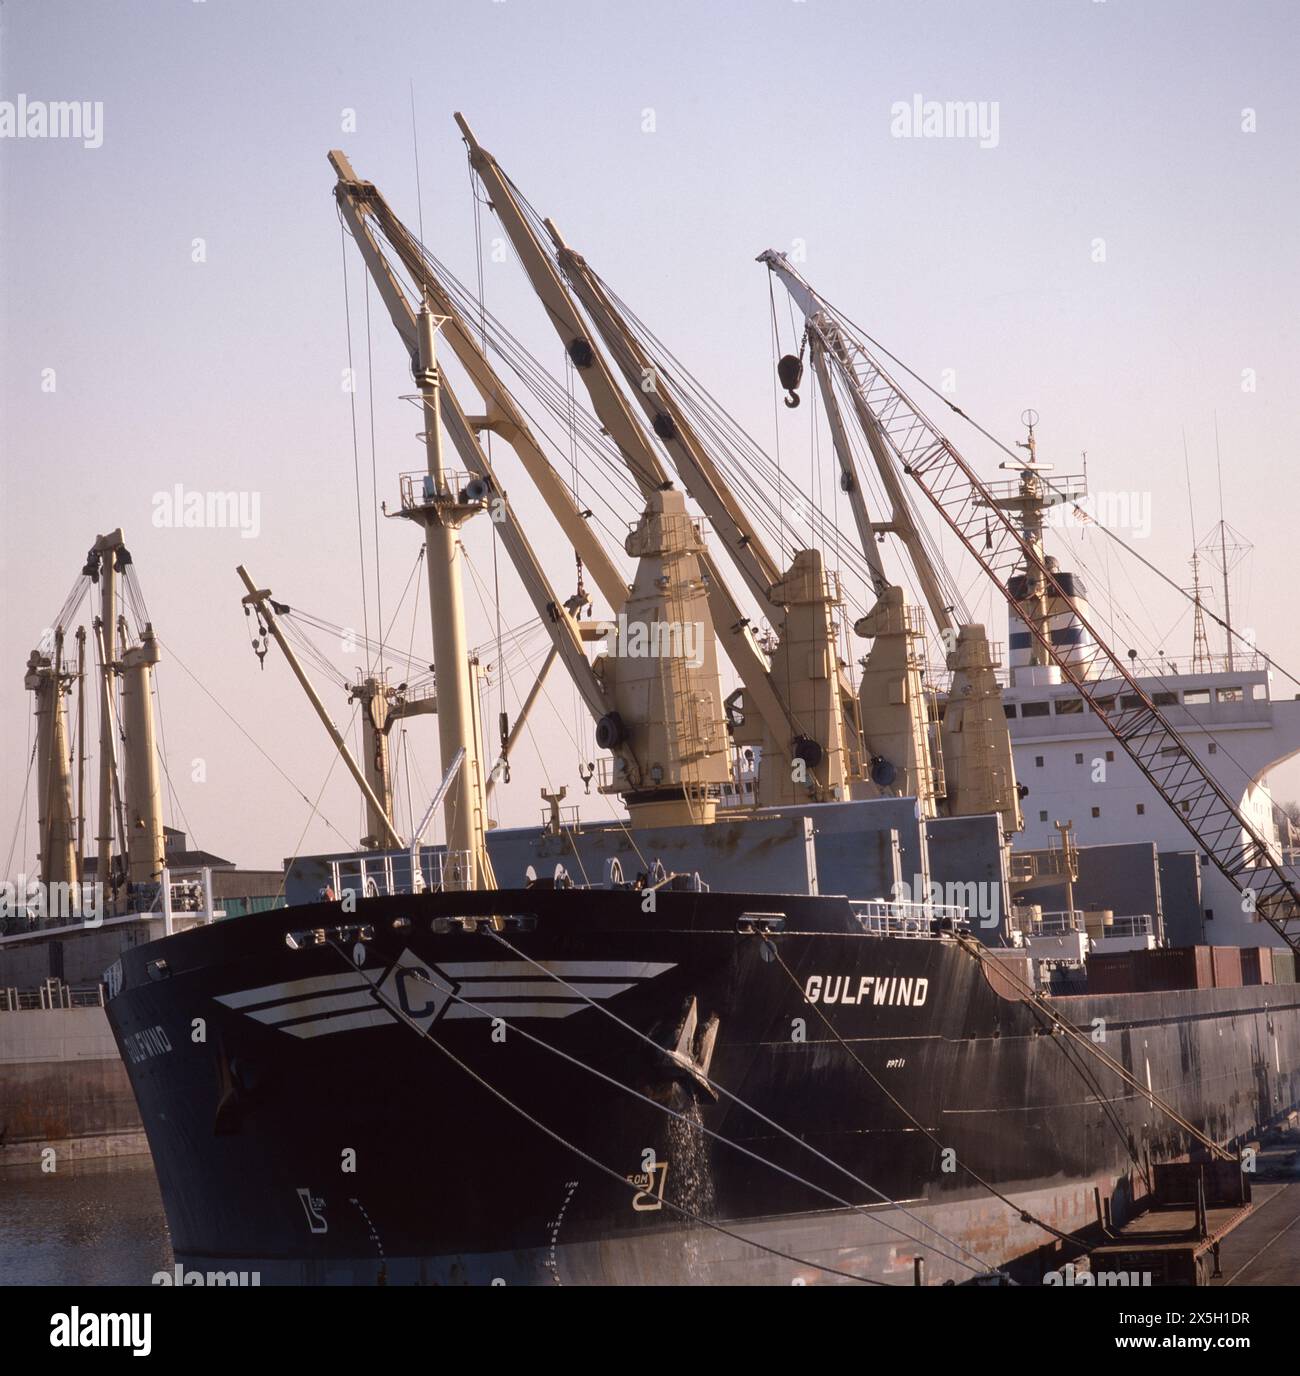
x,y
671,143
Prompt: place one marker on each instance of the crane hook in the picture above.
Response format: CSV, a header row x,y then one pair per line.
x,y
789,371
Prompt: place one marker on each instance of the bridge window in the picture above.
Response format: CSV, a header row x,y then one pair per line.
x,y
1069,707
1196,697
1229,695
1035,709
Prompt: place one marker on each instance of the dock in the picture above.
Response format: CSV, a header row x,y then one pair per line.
x,y
1215,1223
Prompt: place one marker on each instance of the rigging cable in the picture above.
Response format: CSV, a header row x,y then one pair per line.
x,y
1024,1215
727,1094
315,807
374,482
571,1147
20,820
240,728
482,327
356,452
1105,530
422,977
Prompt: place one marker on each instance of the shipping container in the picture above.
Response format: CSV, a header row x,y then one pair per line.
x,y
1227,967
1181,967
1112,973
1257,965
1175,967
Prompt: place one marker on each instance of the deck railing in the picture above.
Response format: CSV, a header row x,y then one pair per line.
x,y
890,917
52,994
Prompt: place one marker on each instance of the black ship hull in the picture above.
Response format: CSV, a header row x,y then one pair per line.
x,y
428,1106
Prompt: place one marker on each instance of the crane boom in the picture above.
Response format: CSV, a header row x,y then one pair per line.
x,y
1229,838
764,692
828,339
365,212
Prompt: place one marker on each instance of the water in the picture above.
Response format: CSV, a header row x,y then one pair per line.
x,y
95,1222
691,1171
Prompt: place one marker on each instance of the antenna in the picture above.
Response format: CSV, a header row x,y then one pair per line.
x,y
415,144
1225,548
1029,418
1200,641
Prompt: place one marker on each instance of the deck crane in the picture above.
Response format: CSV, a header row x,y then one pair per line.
x,y
653,716
804,719
904,439
975,737
828,342
879,737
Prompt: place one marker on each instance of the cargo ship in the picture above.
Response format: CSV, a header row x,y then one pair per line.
x,y
796,1015
734,1089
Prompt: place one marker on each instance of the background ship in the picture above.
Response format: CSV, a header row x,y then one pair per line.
x,y
62,1083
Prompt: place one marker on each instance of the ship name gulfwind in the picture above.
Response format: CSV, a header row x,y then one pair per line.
x,y
887,989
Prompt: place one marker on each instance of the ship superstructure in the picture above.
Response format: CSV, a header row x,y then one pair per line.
x,y
1226,707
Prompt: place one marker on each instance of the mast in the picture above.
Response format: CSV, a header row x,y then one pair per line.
x,y
1223,548
142,792
47,681
377,715
357,201
1227,596
445,508
1200,640
1201,661
81,747
101,564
